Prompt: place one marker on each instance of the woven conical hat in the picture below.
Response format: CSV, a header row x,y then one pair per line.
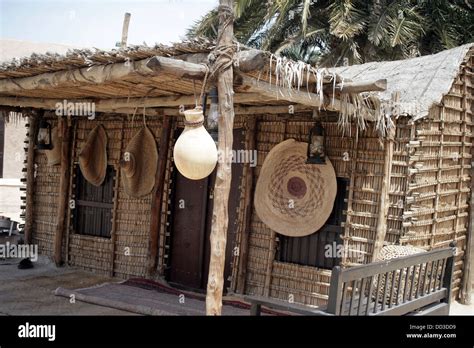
x,y
291,197
54,155
139,164
93,156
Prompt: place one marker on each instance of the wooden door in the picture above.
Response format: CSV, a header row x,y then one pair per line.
x,y
234,202
187,239
192,202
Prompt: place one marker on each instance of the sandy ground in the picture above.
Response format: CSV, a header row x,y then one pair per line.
x,y
30,292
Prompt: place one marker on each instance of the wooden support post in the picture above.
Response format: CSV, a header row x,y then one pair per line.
x,y
126,23
248,203
157,197
63,191
71,192
466,296
113,232
466,292
381,230
220,214
30,175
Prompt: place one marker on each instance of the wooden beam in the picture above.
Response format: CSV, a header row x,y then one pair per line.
x,y
108,107
177,67
157,196
30,175
247,61
220,213
249,84
384,204
118,103
248,204
466,295
63,190
360,86
95,75
126,23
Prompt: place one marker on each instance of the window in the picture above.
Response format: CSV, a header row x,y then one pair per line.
x,y
310,250
2,144
94,205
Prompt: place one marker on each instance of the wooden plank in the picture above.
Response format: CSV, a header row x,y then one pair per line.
x,y
126,23
466,291
157,196
115,194
420,302
63,191
251,135
285,306
448,275
440,309
33,120
335,293
374,268
381,229
71,212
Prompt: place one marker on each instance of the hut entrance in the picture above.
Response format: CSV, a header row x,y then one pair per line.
x,y
192,203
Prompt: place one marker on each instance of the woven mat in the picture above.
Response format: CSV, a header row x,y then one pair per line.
x,y
147,297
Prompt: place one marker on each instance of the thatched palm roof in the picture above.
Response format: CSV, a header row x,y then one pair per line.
x,y
421,81
26,60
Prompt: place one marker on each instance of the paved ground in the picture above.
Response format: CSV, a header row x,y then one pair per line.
x,y
30,292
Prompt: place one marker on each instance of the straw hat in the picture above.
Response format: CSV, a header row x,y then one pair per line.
x,y
291,197
93,156
139,164
54,155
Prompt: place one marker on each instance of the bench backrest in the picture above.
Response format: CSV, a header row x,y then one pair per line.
x,y
394,287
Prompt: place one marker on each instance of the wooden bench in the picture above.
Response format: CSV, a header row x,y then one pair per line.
x,y
418,284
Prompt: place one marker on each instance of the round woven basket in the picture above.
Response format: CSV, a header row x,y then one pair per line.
x,y
292,197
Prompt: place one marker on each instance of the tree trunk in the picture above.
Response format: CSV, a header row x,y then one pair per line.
x,y
220,215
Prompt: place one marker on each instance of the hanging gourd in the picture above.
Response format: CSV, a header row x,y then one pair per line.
x,y
195,152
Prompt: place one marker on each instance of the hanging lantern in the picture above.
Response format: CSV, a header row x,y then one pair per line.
x,y
316,150
195,152
44,139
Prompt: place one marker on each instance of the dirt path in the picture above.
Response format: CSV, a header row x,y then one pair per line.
x,y
30,292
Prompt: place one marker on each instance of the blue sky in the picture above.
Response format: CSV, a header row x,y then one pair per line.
x,y
98,23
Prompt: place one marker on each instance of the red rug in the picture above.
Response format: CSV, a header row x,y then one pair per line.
x,y
163,288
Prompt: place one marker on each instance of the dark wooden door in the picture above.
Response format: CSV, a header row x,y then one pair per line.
x,y
192,202
234,201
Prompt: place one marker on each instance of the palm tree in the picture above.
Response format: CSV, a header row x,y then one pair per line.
x,y
334,32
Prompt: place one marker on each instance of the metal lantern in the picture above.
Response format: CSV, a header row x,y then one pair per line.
x,y
316,150
44,139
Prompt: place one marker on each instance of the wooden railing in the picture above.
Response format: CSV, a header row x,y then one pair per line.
x,y
417,284
394,287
